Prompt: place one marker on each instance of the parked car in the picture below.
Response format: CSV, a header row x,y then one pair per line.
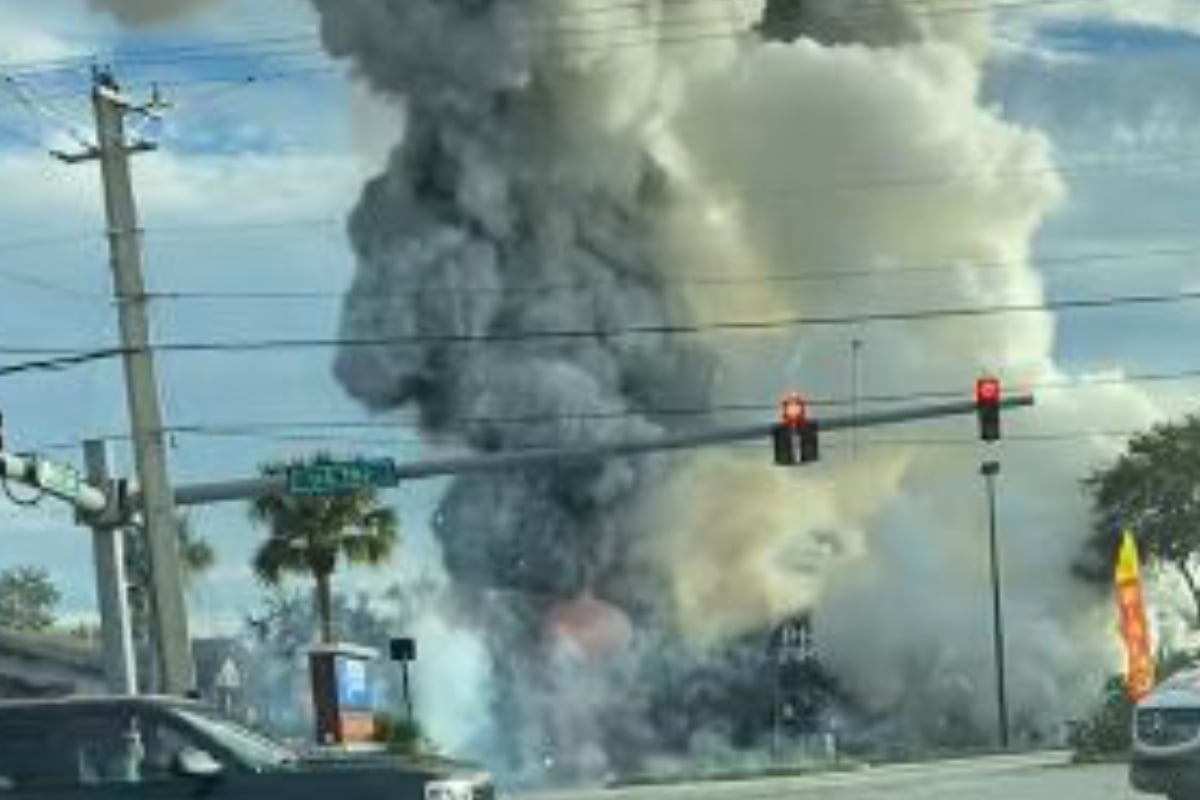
x,y
1166,739
166,748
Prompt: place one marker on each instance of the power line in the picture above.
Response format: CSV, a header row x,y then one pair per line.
x,y
667,329
38,107
22,279
324,430
53,240
59,363
72,358
1060,385
852,184
306,44
687,329
714,280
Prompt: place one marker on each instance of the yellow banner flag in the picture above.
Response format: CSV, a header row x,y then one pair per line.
x,y
1131,608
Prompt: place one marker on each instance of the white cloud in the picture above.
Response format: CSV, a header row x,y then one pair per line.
x,y
22,39
1124,126
237,188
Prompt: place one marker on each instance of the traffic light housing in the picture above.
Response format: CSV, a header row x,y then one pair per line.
x,y
796,437
987,405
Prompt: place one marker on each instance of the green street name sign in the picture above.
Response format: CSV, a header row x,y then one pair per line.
x,y
327,478
60,480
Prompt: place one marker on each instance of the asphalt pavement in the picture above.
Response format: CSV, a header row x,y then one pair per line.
x,y
1039,777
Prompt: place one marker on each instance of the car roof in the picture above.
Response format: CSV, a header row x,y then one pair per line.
x,y
85,703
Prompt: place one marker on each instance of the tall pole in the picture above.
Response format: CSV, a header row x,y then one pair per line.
x,y
408,701
116,635
166,576
990,470
855,389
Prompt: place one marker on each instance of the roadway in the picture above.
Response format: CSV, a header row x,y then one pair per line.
x,y
1039,777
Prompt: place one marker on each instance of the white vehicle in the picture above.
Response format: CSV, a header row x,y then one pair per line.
x,y
1166,739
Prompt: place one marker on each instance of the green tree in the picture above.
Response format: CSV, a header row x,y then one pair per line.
x,y
198,557
1153,489
197,554
310,535
28,599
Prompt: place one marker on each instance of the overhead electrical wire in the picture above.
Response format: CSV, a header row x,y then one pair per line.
x,y
44,285
1091,166
38,107
307,44
695,328
57,363
67,356
335,430
1047,264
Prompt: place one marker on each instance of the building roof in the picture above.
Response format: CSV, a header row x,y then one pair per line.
x,y
62,649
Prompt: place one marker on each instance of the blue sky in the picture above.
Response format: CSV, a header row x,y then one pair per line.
x,y
248,194
254,179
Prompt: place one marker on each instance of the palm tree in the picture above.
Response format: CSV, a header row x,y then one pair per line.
x,y
309,535
197,557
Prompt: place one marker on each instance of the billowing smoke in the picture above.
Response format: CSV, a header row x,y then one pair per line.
x,y
566,166
149,12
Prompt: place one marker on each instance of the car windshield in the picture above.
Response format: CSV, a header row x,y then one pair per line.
x,y
252,748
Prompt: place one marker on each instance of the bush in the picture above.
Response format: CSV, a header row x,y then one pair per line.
x,y
402,736
1109,731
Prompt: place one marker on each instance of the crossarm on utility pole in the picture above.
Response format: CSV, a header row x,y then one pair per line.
x,y
230,491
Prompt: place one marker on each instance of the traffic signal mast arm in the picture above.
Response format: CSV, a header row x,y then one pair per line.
x,y
228,491
57,480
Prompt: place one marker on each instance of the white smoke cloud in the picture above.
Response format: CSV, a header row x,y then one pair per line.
x,y
869,158
452,675
528,158
747,544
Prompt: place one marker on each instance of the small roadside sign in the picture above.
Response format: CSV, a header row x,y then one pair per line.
x,y
328,478
229,678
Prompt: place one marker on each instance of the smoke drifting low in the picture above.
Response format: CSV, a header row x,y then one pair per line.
x,y
538,156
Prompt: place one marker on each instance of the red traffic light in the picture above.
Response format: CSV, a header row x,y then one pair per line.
x,y
987,404
987,391
792,411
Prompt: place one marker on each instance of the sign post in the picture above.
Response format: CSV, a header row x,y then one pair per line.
x,y
404,650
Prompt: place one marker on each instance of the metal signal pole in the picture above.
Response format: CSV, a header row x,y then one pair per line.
x,y
990,470
116,635
166,576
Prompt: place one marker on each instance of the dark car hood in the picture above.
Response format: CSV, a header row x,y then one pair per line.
x,y
426,766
